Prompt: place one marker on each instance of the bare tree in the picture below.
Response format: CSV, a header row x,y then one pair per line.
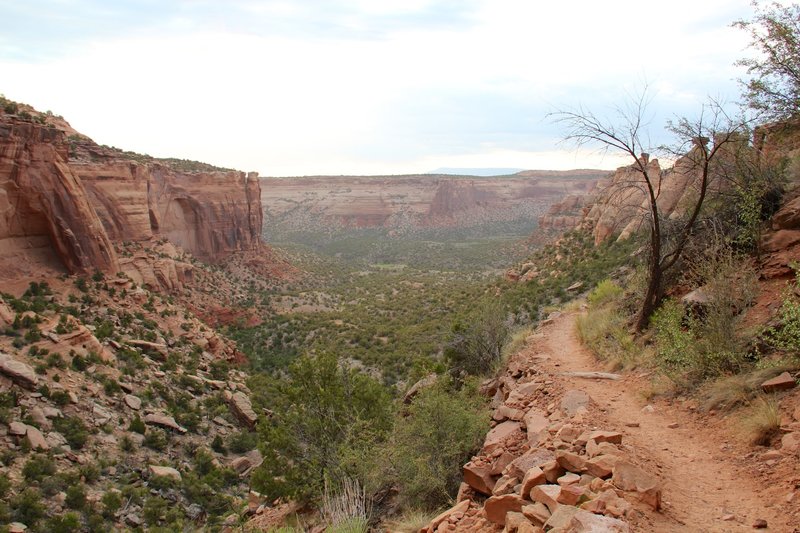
x,y
626,132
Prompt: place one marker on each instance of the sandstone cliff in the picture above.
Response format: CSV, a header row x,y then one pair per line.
x,y
422,201
44,204
64,200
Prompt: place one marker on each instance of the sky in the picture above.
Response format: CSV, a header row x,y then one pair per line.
x,y
306,87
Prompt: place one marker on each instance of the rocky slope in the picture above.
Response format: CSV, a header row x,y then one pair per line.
x,y
64,200
394,202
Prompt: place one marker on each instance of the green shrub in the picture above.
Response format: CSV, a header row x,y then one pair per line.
x,y
324,414
137,425
476,348
432,441
38,467
76,497
73,429
242,441
605,292
111,501
68,523
156,439
27,507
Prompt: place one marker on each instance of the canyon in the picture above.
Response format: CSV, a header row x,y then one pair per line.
x,y
403,203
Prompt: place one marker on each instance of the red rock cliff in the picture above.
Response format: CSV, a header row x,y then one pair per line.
x,y
71,196
43,203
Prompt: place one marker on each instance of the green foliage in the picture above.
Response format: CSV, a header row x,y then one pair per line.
x,y
156,439
73,429
137,425
111,501
38,467
76,497
322,414
605,292
27,507
604,328
67,523
786,335
774,86
433,440
476,348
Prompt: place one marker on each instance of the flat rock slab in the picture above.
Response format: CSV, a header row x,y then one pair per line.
x,y
19,372
574,400
586,522
165,471
783,382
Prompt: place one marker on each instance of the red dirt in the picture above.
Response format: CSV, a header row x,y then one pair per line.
x,y
708,474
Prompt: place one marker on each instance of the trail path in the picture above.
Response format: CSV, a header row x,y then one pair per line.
x,y
705,490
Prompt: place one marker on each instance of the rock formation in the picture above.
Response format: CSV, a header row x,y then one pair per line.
x,y
64,200
43,203
396,202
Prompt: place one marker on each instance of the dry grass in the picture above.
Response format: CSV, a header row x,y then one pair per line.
x,y
347,508
762,423
410,521
730,392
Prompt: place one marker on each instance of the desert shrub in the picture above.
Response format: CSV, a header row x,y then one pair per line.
x,y
707,342
605,329
153,509
763,422
38,467
346,509
324,414
786,335
76,497
476,347
433,440
67,523
111,501
242,441
5,485
137,425
27,507
156,439
605,292
73,429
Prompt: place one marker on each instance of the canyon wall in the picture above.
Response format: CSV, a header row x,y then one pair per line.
x,y
45,213
64,201
417,200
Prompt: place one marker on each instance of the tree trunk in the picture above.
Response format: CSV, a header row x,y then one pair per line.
x,y
653,294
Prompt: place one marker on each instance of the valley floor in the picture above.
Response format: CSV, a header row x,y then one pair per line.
x,y
712,482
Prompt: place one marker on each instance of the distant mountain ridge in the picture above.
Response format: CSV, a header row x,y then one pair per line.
x,y
484,172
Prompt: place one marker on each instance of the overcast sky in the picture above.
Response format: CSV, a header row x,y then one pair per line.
x,y
362,86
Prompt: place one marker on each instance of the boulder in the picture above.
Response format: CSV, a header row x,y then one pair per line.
x,y
499,434
443,517
631,478
17,429
613,437
35,439
496,507
19,372
478,476
571,462
537,513
133,402
601,466
536,424
560,518
546,494
164,421
164,471
586,522
534,476
534,458
241,465
518,523
783,382
608,503
415,389
242,409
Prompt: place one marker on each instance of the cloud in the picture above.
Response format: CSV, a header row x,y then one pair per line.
x,y
297,87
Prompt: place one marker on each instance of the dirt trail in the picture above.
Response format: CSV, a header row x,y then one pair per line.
x,y
703,484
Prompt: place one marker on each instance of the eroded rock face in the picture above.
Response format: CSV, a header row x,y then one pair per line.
x,y
210,214
64,201
43,203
